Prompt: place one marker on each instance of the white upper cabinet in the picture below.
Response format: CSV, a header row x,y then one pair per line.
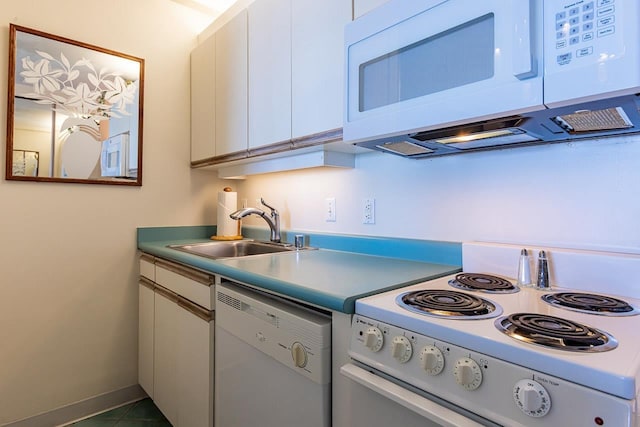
x,y
231,86
360,7
203,95
271,75
318,64
269,72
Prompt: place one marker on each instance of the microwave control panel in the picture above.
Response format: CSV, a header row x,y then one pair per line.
x,y
581,29
590,50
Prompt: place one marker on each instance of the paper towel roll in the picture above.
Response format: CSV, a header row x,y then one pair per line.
x,y
227,204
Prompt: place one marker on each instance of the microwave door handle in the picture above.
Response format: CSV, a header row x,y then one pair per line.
x,y
524,64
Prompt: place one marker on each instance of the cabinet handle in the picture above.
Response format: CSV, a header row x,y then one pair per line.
x,y
171,296
191,307
148,258
146,283
195,309
187,272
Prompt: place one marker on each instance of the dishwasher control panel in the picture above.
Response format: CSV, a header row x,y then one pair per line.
x,y
296,336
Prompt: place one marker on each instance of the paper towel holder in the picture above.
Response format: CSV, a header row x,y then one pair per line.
x,y
238,235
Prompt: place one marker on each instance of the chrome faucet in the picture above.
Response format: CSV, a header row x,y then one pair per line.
x,y
273,220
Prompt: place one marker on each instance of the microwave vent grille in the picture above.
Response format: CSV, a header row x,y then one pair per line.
x,y
594,120
405,148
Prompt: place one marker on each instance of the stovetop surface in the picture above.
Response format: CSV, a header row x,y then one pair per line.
x,y
615,371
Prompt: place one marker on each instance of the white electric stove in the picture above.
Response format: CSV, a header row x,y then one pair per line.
x,y
477,349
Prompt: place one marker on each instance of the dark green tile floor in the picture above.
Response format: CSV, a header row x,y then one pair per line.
x,y
138,414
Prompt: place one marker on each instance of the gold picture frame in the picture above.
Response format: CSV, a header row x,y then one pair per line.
x,y
68,100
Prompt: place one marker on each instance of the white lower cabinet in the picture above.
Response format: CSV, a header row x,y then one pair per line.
x,y
165,360
176,347
195,370
146,312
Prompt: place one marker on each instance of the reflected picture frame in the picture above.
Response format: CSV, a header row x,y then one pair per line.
x,y
69,101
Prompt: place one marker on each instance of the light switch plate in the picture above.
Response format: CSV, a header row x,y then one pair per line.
x,y
369,211
330,209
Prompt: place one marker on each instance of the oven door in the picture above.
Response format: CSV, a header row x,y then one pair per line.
x,y
378,401
427,64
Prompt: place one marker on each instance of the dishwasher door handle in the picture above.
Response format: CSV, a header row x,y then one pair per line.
x,y
412,401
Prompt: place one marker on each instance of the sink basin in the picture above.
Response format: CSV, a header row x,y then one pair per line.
x,y
232,249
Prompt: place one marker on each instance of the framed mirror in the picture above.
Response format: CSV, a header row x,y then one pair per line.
x,y
77,106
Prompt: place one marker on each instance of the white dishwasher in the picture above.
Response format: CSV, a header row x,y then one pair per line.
x,y
273,361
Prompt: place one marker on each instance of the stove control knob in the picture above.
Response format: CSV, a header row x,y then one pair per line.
x,y
532,398
467,373
401,349
373,339
432,360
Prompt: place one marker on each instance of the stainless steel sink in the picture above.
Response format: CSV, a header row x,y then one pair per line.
x,y
232,249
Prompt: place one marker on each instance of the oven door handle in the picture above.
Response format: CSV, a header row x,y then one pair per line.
x,y
414,402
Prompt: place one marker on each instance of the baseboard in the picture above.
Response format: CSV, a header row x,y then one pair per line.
x,y
83,409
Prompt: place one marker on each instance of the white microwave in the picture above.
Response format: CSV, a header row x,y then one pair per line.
x,y
114,158
521,71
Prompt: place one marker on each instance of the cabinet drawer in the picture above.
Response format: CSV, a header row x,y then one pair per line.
x,y
147,267
186,282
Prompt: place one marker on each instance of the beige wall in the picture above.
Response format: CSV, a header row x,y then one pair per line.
x,y
68,290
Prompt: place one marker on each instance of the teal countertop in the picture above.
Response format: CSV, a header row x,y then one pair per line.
x,y
328,278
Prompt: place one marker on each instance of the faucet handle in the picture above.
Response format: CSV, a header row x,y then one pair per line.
x,y
270,207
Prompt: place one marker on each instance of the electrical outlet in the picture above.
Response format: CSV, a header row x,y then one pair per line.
x,y
245,204
369,211
330,209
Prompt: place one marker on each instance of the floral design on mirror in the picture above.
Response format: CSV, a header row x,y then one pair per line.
x,y
78,105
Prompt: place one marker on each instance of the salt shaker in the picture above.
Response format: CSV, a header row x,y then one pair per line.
x,y
524,269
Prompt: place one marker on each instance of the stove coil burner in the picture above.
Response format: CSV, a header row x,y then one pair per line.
x,y
483,283
554,332
448,304
591,303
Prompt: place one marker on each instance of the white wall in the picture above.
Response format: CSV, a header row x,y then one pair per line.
x,y
68,269
578,195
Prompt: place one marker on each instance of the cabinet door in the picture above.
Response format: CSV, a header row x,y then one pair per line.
x,y
360,7
318,64
203,95
145,338
195,371
165,391
231,86
269,72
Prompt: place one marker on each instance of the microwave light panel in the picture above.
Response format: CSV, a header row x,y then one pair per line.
x,y
477,136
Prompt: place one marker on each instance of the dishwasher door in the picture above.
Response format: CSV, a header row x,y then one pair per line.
x,y
273,361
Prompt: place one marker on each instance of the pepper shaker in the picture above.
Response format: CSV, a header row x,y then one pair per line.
x,y
543,271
